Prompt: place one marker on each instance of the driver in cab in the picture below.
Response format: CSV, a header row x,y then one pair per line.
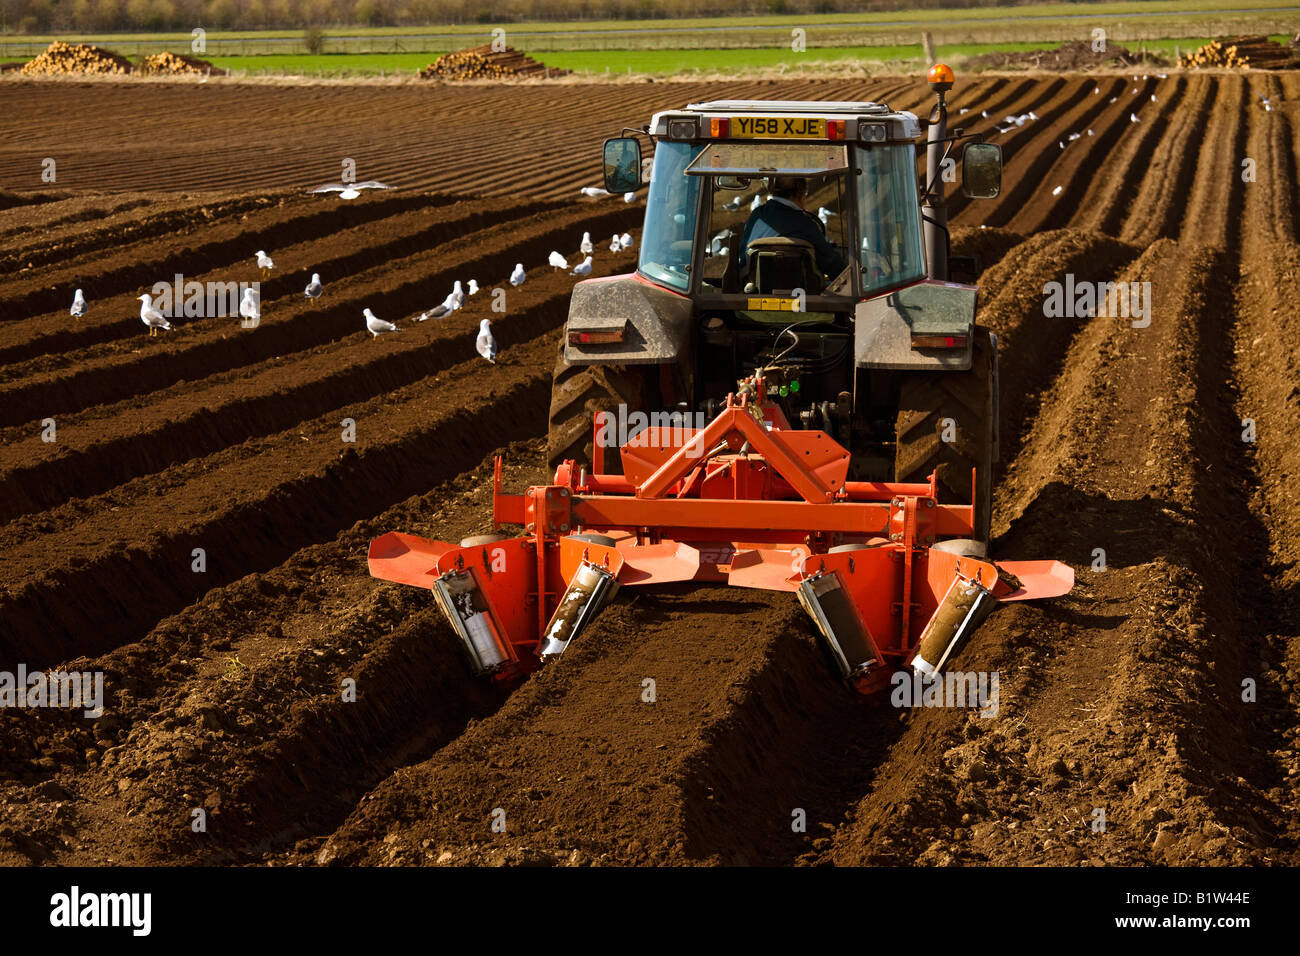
x,y
783,215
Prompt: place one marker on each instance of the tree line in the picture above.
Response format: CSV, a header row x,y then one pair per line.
x,y
107,16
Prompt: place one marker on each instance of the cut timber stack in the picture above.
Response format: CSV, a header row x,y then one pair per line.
x,y
484,63
65,58
172,64
1255,53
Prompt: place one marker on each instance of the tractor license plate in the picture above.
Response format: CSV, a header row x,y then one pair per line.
x,y
778,127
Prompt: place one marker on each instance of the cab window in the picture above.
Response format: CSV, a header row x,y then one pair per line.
x,y
668,238
892,253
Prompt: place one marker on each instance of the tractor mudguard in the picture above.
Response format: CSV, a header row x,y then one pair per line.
x,y
629,320
889,330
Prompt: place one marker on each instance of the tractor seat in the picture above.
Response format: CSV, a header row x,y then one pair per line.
x,y
778,265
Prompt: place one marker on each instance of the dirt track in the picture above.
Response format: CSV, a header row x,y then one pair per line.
x,y
223,686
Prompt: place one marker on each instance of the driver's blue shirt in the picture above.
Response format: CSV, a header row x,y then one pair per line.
x,y
781,217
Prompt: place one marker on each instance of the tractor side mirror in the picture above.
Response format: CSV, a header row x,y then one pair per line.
x,y
622,164
981,170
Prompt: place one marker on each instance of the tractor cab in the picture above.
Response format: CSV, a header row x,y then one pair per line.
x,y
706,232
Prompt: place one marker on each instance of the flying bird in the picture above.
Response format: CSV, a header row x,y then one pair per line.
x,y
557,260
314,288
583,268
151,317
250,311
350,190
377,326
264,263
486,343
519,275
78,306
585,246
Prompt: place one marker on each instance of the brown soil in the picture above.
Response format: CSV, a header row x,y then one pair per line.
x,y
224,688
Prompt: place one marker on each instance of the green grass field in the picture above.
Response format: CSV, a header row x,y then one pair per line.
x,y
654,62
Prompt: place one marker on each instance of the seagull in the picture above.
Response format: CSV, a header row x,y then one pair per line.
x,y
593,192
457,297
151,316
1132,117
984,113
963,111
78,306
377,326
734,204
1264,99
629,196
473,287
250,312
314,288
585,246
717,243
758,201
615,245
1061,143
1089,132
625,240
1153,98
350,190
1096,91
825,214
1057,191
1073,137
485,343
583,268
264,263
519,275
557,260
1114,98
448,306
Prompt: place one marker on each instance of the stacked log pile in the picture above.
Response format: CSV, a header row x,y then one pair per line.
x,y
65,58
484,63
1254,53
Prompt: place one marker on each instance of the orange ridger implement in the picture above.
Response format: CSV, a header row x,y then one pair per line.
x,y
746,501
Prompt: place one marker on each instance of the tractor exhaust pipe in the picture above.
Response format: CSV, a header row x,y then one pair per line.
x,y
935,206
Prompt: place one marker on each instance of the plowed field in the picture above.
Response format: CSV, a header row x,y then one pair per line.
x,y
1160,461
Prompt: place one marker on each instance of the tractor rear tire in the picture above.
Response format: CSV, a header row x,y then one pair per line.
x,y
926,401
578,392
